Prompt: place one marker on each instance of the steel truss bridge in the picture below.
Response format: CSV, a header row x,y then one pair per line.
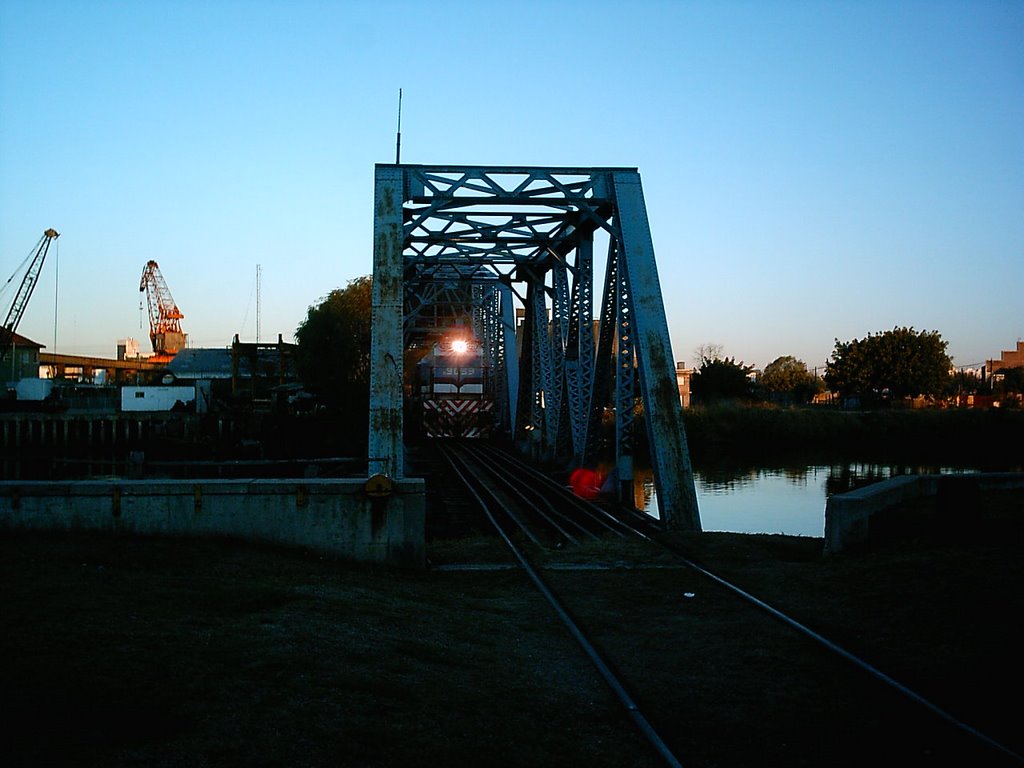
x,y
491,243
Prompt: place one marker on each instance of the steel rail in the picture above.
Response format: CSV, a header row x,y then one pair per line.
x,y
470,485
835,648
518,490
608,521
592,653
647,529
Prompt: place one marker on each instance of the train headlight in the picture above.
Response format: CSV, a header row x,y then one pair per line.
x,y
460,346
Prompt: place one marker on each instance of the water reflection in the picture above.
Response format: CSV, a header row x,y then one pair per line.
x,y
786,500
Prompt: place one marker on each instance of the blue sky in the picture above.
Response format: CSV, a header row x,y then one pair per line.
x,y
812,170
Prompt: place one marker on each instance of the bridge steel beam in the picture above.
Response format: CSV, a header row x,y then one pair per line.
x,y
520,235
498,316
625,379
387,344
579,353
670,456
510,374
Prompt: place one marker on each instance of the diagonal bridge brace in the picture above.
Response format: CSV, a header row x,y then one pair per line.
x,y
500,243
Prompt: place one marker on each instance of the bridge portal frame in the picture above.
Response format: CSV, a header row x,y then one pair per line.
x,y
528,233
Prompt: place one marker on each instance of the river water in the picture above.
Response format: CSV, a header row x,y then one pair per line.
x,y
788,501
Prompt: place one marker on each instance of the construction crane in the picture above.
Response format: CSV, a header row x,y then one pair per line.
x,y
28,284
164,327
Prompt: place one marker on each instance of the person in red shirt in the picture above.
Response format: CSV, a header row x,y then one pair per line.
x,y
586,482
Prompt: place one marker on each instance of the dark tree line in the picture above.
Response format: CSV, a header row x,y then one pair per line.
x,y
334,353
880,368
721,379
889,366
333,356
785,380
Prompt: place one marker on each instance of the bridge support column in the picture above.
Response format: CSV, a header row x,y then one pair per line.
x,y
387,344
509,368
670,456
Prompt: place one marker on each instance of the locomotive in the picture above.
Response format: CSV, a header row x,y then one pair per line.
x,y
453,391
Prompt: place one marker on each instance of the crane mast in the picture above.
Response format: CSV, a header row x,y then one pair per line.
x,y
28,283
164,327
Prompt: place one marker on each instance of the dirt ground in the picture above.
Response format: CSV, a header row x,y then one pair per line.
x,y
155,652
931,602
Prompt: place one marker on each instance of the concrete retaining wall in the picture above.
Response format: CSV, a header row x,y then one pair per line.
x,y
848,515
332,516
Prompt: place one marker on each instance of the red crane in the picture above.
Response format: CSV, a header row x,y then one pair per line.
x,y
164,327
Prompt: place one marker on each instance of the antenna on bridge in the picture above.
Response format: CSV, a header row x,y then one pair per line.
x,y
398,140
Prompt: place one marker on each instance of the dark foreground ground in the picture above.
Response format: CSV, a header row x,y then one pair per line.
x,y
150,652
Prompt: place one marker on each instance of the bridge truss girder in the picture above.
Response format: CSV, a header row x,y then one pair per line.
x,y
474,241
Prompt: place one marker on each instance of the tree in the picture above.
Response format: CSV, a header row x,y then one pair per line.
x,y
721,379
333,355
707,351
891,365
788,379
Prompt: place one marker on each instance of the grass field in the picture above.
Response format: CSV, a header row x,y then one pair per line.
x,y
158,652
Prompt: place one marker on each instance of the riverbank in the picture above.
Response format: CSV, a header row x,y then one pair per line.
x,y
988,439
158,652
56,446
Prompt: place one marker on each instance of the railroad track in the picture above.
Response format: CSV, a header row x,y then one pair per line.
x,y
529,502
538,518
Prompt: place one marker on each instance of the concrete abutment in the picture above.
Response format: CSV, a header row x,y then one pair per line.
x,y
332,516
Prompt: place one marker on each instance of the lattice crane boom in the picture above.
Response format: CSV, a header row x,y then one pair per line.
x,y
28,282
164,316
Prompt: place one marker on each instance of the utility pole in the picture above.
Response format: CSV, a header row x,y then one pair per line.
x,y
56,285
257,303
398,140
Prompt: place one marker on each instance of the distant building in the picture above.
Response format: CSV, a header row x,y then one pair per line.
x,y
683,375
199,363
129,349
259,374
19,358
160,398
1008,359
